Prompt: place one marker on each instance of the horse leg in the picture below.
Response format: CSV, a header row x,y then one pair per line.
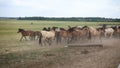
x,y
100,37
111,35
30,37
119,35
40,39
49,41
21,38
69,40
57,39
34,37
105,35
45,41
60,39
25,38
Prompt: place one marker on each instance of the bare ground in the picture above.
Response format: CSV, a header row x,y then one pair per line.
x,y
64,57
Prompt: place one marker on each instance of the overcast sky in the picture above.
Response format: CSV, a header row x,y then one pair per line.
x,y
60,8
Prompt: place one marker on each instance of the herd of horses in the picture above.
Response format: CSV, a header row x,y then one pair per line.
x,y
70,35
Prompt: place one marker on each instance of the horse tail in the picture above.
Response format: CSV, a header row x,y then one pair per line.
x,y
40,38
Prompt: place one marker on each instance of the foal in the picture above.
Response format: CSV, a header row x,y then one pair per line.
x,y
25,33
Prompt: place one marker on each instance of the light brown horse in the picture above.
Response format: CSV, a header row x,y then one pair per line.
x,y
93,32
25,33
47,37
108,31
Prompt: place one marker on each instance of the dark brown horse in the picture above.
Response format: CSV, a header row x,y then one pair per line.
x,y
25,33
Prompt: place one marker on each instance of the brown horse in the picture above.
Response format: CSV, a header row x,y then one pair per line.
x,y
25,33
61,35
82,32
37,34
69,35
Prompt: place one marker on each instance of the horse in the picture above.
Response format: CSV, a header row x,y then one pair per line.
x,y
108,31
37,34
75,33
116,31
47,37
25,33
59,33
68,35
72,34
82,33
93,32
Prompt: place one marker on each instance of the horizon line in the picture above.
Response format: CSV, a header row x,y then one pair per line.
x,y
55,17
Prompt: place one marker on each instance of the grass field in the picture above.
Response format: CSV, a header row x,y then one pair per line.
x,y
29,54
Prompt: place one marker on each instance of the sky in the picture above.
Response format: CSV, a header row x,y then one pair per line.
x,y
60,8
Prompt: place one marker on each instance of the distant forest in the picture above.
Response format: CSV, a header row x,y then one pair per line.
x,y
87,19
84,19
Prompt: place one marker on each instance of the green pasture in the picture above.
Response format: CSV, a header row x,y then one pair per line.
x,y
12,51
9,28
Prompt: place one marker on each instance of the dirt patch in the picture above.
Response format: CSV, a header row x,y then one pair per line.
x,y
64,57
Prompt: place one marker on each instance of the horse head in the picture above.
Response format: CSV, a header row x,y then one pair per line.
x,y
114,27
20,30
85,28
104,26
44,29
54,28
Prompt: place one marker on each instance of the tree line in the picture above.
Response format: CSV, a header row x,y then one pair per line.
x,y
86,19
